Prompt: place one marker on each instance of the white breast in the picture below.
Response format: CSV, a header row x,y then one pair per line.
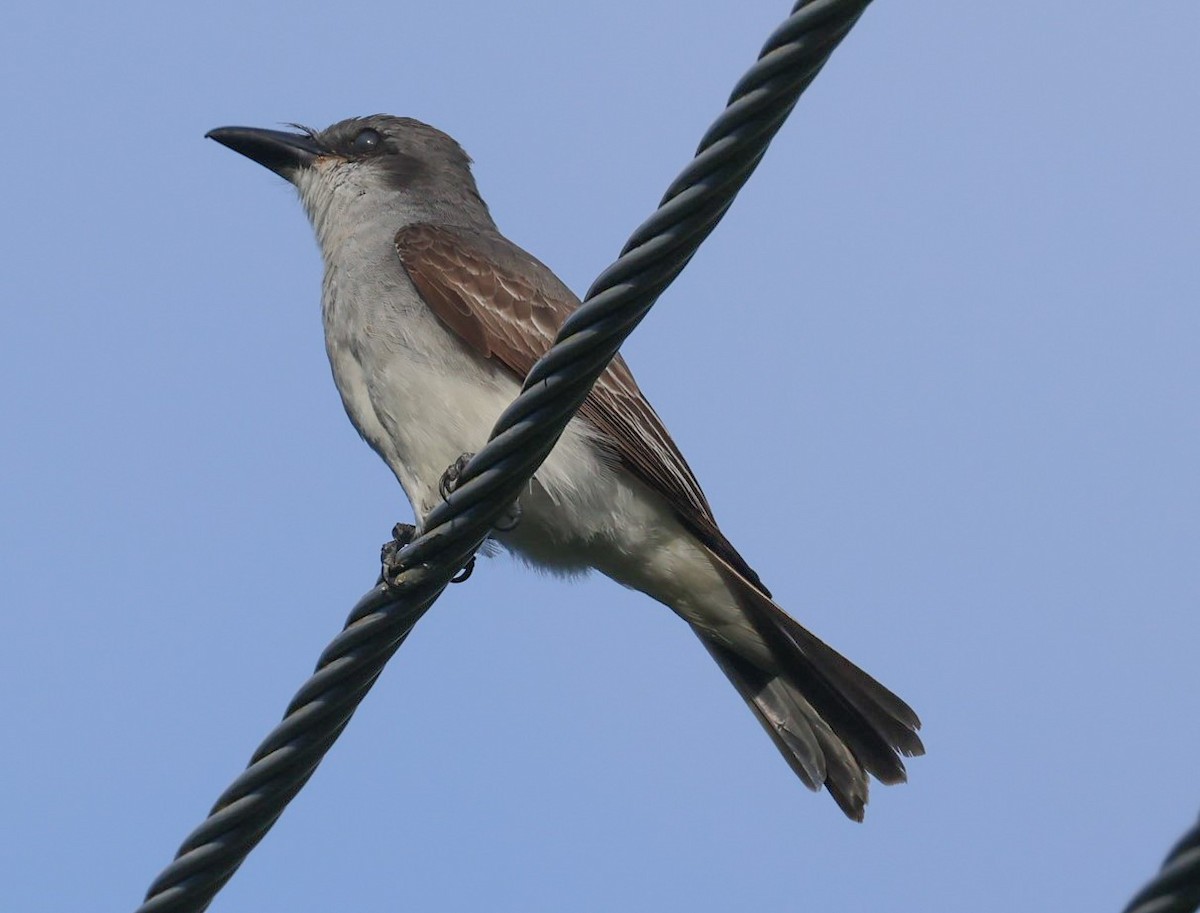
x,y
421,399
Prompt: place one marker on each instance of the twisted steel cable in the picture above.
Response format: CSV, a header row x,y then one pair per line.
x,y
524,435
1176,887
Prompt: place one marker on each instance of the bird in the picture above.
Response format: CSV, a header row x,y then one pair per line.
x,y
432,318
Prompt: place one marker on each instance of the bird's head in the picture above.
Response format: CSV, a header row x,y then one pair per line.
x,y
380,167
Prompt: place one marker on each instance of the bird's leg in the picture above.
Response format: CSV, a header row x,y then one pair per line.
x,y
449,481
389,555
465,571
508,520
404,533
453,473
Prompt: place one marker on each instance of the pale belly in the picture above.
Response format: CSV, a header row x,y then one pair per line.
x,y
421,411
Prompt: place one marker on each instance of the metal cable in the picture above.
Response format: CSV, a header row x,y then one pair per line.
x,y
524,435
1176,887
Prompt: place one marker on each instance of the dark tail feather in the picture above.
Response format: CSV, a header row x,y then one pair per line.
x,y
893,718
832,722
815,754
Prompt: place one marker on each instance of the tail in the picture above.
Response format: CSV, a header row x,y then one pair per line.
x,y
832,722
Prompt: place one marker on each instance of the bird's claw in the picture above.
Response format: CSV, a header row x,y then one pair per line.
x,y
449,479
446,486
389,555
449,482
508,521
464,572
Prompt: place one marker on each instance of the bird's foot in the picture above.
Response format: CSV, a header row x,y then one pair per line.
x,y
465,571
449,481
508,520
389,555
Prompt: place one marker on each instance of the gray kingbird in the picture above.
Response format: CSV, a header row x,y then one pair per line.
x,y
432,319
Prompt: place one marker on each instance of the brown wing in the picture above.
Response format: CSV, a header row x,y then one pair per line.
x,y
506,304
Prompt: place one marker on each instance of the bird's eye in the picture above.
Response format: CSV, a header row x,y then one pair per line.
x,y
367,140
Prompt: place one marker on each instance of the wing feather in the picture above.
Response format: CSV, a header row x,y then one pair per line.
x,y
505,304
831,721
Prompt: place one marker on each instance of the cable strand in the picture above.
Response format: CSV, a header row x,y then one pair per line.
x,y
1176,887
526,432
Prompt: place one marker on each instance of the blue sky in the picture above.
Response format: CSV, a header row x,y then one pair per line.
x,y
957,436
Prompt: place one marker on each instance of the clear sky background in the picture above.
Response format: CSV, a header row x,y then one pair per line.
x,y
937,371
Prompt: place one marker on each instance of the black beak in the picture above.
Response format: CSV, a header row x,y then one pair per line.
x,y
284,153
